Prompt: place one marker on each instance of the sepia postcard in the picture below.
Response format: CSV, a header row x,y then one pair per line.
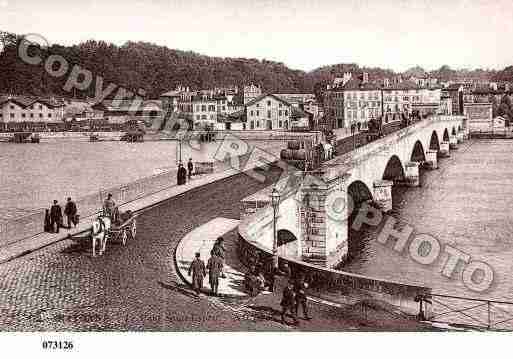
x,y
325,168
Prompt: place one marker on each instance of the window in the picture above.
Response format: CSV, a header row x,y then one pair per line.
x,y
31,115
257,105
280,123
258,113
224,108
198,117
198,108
203,117
211,108
40,107
252,125
40,115
251,113
12,107
280,104
49,115
12,115
203,107
268,103
286,113
279,113
269,114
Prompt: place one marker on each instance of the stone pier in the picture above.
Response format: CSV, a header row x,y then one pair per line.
x,y
444,149
453,142
383,194
323,218
432,159
411,174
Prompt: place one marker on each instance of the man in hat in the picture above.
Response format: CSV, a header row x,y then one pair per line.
x,y
190,168
214,266
55,216
197,269
70,210
109,205
300,290
288,302
219,250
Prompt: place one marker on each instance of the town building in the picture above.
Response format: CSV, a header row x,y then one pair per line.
x,y
203,108
479,115
268,112
353,101
30,113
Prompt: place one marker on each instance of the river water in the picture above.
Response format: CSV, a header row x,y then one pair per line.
x,y
466,203
32,175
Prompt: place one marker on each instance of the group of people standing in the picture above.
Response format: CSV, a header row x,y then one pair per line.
x,y
215,266
183,174
54,216
262,276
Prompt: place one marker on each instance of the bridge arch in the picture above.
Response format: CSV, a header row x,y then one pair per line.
x,y
285,236
446,136
394,169
418,154
357,192
434,142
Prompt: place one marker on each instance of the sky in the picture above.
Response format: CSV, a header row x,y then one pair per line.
x,y
303,34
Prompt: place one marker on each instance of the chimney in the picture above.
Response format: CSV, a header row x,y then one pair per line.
x,y
365,77
346,77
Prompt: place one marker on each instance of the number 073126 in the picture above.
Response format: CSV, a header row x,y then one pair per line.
x,y
57,345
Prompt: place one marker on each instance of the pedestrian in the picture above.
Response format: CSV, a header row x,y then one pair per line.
x,y
270,274
300,290
55,217
190,167
108,206
181,176
70,211
214,266
288,303
197,269
48,222
286,271
219,251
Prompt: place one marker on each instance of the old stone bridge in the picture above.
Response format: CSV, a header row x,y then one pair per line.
x,y
312,218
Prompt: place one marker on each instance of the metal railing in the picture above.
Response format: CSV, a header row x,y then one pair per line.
x,y
466,312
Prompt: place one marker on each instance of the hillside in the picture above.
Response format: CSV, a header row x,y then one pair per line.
x,y
157,69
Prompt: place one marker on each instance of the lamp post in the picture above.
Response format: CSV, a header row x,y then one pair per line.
x,y
275,201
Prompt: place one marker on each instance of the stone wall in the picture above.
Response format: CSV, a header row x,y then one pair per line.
x,y
30,225
254,244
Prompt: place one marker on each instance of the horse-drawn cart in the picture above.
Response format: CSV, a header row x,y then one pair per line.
x,y
120,227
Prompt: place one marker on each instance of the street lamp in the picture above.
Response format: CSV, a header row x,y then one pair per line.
x,y
275,201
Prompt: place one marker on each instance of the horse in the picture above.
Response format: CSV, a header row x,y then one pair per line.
x,y
99,233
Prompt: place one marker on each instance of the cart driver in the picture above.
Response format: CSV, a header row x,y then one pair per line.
x,y
108,206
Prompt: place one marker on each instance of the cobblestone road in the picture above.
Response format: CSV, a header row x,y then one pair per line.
x,y
135,287
61,287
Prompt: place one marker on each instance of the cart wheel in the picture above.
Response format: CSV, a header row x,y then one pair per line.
x,y
134,229
123,237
